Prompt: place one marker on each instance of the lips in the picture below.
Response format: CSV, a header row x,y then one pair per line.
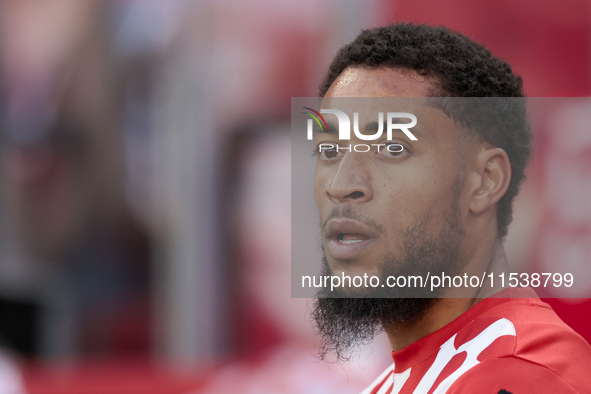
x,y
351,238
347,239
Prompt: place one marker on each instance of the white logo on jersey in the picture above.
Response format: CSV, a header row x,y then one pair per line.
x,y
472,348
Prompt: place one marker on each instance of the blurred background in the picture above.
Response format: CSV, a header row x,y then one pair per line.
x,y
145,183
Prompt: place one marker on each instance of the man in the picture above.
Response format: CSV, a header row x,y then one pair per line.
x,y
440,202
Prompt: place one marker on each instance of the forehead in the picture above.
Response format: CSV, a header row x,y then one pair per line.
x,y
380,82
368,91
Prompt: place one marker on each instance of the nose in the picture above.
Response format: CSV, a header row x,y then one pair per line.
x,y
351,182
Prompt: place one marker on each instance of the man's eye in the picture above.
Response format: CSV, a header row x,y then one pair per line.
x,y
392,150
327,151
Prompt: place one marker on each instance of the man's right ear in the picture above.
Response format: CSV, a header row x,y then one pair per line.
x,y
494,170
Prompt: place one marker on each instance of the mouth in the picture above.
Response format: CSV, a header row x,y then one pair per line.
x,y
347,239
351,238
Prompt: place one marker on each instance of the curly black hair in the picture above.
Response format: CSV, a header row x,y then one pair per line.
x,y
459,67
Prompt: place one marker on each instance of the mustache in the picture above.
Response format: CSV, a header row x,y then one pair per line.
x,y
348,212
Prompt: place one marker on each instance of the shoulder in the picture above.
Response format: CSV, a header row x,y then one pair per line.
x,y
512,375
538,329
543,338
538,354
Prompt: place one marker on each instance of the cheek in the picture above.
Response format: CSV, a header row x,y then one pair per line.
x,y
408,195
319,189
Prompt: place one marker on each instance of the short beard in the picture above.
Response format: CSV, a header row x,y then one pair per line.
x,y
345,323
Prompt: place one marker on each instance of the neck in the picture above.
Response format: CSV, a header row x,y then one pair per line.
x,y
445,310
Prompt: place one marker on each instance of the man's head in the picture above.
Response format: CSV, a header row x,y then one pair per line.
x,y
456,67
416,209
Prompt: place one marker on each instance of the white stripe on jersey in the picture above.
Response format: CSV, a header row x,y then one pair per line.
x,y
390,386
399,380
388,371
447,351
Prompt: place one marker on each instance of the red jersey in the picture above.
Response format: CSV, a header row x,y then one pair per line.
x,y
499,346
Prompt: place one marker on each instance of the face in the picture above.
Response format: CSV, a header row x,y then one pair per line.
x,y
373,205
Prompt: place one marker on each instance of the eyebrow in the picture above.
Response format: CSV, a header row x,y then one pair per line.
x,y
371,127
332,129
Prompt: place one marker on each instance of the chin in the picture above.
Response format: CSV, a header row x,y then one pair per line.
x,y
353,269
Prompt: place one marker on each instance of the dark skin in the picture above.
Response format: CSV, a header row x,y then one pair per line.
x,y
396,190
